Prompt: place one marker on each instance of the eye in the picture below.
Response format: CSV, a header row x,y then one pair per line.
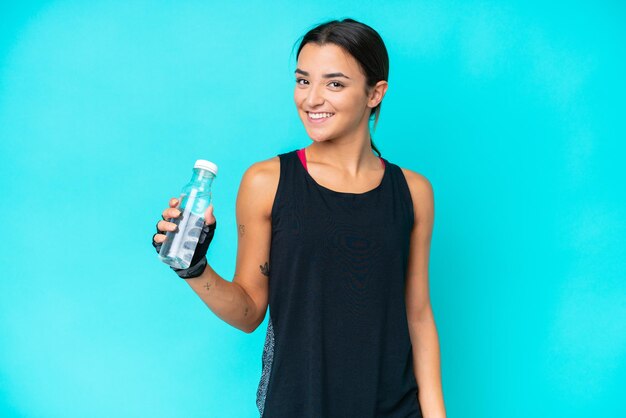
x,y
338,84
298,80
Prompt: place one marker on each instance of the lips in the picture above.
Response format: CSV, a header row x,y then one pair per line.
x,y
319,120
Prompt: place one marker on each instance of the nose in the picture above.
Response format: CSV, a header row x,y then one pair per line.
x,y
314,97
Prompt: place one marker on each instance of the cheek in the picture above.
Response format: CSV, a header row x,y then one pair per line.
x,y
298,95
346,103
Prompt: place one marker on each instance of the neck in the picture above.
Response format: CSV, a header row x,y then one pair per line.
x,y
351,158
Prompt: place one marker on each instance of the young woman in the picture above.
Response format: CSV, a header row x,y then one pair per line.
x,y
336,241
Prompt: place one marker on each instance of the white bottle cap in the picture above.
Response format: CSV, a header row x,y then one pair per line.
x,y
206,165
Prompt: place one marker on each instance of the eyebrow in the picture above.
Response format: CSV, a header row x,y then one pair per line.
x,y
329,75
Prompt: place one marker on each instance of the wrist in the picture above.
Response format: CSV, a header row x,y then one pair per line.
x,y
192,271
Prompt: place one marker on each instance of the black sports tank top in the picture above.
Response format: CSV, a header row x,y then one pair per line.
x,y
337,341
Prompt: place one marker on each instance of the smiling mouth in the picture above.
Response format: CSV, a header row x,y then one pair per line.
x,y
318,117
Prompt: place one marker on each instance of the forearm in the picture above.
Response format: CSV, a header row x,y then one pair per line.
x,y
226,299
427,366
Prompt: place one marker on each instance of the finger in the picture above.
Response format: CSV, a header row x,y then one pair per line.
x,y
173,202
158,238
209,217
166,226
170,213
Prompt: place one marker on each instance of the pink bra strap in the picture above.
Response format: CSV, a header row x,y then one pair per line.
x,y
300,153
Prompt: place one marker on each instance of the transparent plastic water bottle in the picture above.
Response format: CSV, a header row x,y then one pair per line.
x,y
179,245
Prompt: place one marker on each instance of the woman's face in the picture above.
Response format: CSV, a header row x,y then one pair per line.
x,y
330,92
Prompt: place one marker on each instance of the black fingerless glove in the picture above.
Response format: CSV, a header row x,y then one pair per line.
x,y
198,261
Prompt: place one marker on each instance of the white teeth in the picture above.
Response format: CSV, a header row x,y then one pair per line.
x,y
320,115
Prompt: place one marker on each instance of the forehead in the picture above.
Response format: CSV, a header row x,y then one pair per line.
x,y
327,58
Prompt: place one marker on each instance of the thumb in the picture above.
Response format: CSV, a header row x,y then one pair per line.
x,y
209,217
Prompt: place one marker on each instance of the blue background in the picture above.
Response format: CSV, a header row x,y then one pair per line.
x,y
513,110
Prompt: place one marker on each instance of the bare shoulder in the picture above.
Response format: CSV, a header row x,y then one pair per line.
x,y
260,181
265,170
418,183
422,193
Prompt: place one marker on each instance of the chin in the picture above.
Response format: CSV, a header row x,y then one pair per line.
x,y
318,137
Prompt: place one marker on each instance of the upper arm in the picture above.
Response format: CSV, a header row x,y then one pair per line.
x,y
254,229
417,289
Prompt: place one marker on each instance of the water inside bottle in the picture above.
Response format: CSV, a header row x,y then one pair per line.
x,y
180,244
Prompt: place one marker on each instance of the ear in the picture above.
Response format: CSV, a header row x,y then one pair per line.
x,y
377,93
